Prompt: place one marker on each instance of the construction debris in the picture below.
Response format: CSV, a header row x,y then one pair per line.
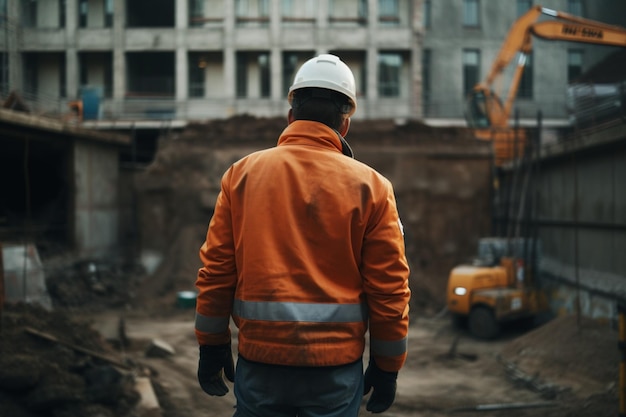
x,y
504,406
159,349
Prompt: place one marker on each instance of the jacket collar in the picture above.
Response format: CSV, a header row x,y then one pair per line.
x,y
305,132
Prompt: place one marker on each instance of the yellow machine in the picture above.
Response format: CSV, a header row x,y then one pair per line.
x,y
494,289
486,113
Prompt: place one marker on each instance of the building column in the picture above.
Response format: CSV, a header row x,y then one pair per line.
x,y
229,70
321,25
182,64
16,79
372,18
72,78
372,75
276,62
371,59
417,29
119,54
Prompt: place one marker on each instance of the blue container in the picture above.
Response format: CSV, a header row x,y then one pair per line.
x,y
91,97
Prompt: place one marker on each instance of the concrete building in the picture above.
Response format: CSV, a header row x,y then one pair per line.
x,y
186,60
200,59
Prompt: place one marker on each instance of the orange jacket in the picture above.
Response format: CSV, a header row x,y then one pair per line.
x,y
304,250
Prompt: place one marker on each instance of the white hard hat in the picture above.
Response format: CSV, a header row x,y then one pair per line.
x,y
326,71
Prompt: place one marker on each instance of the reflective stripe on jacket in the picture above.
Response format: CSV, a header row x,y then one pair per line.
x,y
305,248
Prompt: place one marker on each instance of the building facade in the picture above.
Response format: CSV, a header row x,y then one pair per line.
x,y
203,59
199,59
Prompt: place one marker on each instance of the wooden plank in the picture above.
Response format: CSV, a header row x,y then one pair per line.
x,y
98,355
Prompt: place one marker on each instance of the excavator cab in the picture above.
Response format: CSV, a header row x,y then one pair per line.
x,y
476,111
486,116
484,109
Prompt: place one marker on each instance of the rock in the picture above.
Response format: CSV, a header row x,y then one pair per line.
x,y
159,349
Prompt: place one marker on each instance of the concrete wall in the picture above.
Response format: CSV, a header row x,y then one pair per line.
x,y
582,222
96,199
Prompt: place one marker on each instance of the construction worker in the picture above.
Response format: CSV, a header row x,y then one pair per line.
x,y
305,251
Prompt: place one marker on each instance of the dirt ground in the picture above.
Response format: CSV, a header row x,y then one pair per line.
x,y
562,369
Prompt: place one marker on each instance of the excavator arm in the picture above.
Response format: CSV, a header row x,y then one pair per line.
x,y
485,108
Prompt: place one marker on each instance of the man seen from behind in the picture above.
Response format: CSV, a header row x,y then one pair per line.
x,y
305,251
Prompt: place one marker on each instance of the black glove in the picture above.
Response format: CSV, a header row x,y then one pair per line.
x,y
384,384
214,359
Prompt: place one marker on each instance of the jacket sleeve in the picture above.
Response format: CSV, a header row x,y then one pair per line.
x,y
217,278
385,273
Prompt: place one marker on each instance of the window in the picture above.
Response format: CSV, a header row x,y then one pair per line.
x,y
427,13
574,64
83,76
298,10
348,11
196,13
151,74
471,13
389,12
62,76
252,12
108,78
471,69
291,62
426,80
264,72
241,74
108,13
62,18
150,13
197,69
526,82
83,9
29,13
523,6
575,7
4,73
389,70
253,75
30,74
96,70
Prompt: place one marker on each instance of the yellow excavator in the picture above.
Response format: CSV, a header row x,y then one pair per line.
x,y
499,285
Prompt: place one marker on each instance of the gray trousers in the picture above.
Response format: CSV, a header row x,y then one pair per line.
x,y
264,390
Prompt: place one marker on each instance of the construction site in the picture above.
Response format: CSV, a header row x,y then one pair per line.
x,y
514,231
76,329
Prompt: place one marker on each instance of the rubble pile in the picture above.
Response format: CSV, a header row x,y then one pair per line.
x,y
51,365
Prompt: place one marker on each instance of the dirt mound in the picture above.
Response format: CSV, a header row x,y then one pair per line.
x,y
568,351
573,361
441,177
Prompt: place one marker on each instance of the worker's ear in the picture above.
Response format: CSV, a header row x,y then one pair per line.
x,y
290,118
345,126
